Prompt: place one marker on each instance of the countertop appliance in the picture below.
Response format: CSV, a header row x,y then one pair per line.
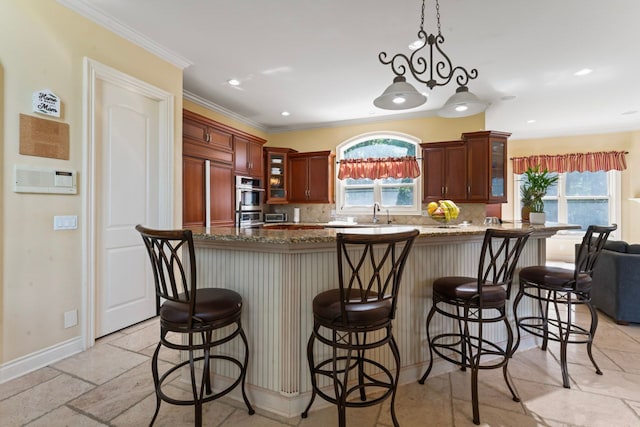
x,y
275,217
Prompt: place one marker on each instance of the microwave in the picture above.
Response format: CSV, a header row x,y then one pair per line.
x,y
275,217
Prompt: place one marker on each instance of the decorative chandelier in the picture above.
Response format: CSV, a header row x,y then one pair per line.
x,y
401,95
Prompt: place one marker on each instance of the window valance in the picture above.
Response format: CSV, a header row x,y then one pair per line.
x,y
573,162
378,168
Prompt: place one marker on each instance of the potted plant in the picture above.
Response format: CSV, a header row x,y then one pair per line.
x,y
535,186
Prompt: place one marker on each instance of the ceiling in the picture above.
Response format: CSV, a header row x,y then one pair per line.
x,y
318,59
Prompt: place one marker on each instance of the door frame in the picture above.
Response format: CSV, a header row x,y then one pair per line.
x,y
92,72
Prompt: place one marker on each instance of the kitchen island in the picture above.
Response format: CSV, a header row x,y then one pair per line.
x,y
278,273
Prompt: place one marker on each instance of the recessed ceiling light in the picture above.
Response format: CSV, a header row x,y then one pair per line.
x,y
234,82
285,113
583,72
531,121
508,97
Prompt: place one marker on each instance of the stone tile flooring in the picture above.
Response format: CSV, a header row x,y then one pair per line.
x,y
110,385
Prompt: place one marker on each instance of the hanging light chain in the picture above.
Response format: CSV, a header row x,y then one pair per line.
x,y
437,15
427,70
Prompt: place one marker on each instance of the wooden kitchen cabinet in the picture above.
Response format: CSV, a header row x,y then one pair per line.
x,y
195,173
486,166
199,130
276,176
248,156
208,163
472,170
444,166
311,177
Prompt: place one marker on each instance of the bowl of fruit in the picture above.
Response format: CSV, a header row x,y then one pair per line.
x,y
443,211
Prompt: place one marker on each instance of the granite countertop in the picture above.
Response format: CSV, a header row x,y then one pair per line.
x,y
279,236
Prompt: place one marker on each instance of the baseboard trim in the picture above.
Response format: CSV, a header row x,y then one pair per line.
x,y
39,359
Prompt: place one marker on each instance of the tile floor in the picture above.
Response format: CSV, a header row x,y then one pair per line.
x,y
110,385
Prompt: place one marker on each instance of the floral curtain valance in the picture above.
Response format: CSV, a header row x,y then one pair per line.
x,y
574,162
396,167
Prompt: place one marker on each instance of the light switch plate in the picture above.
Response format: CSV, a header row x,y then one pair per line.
x,y
65,222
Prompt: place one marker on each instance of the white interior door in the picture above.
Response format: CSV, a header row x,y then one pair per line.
x,y
126,185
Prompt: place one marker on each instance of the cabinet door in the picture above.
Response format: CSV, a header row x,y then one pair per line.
x,y
276,182
193,192
318,179
455,173
498,178
478,169
298,179
241,149
255,159
433,173
248,157
221,195
194,130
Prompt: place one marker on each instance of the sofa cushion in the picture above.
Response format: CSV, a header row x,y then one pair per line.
x,y
633,249
617,246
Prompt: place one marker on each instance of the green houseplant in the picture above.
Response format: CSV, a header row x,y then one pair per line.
x,y
535,185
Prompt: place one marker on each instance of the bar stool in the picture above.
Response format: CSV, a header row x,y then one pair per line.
x,y
562,287
478,301
194,314
356,318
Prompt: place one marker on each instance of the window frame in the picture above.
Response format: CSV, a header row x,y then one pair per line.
x,y
614,196
378,185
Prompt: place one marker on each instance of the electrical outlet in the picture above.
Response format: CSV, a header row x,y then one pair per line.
x,y
425,213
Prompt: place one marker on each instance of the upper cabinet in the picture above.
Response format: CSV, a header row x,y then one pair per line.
x,y
311,177
248,156
471,170
199,130
486,166
444,174
276,174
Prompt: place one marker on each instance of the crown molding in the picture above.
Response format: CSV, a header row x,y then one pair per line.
x,y
96,15
196,99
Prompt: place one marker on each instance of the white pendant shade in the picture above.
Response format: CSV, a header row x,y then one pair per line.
x,y
462,104
400,96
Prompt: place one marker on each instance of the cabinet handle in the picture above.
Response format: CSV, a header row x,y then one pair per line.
x,y
442,190
469,189
207,138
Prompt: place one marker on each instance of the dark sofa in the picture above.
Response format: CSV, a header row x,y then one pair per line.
x,y
616,282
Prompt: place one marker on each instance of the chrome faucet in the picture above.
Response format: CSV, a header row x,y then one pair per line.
x,y
376,206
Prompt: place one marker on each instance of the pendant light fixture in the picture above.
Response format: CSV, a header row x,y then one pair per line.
x,y
433,70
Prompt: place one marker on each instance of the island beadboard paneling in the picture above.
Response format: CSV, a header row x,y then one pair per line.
x,y
278,290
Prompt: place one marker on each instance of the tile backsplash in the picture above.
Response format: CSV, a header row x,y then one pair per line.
x,y
474,212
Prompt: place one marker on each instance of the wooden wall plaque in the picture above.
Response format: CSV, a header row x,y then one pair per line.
x,y
44,138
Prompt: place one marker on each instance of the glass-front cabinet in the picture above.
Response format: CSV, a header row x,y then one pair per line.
x,y
486,166
276,174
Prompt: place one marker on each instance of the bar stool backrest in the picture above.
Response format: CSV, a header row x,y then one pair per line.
x,y
592,244
370,269
500,252
166,249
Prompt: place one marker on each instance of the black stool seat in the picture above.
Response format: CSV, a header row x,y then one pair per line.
x,y
327,309
556,278
552,288
194,314
213,306
466,289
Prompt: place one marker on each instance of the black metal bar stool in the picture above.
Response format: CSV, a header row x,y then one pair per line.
x,y
478,301
553,286
356,318
194,313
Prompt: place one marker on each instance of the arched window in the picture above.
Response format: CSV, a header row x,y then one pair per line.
x,y
400,196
